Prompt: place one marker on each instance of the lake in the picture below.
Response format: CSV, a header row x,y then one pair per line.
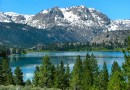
x,y
29,61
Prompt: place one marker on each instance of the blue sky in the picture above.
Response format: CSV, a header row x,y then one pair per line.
x,y
114,9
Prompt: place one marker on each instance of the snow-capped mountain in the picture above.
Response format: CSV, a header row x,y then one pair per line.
x,y
4,18
76,16
119,25
73,24
14,17
80,16
80,19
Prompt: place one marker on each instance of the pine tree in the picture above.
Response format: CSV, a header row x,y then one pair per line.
x,y
10,78
126,64
87,77
36,78
103,78
40,77
18,75
116,82
76,79
28,82
115,67
7,75
51,78
1,74
46,74
57,77
5,66
67,76
94,70
62,76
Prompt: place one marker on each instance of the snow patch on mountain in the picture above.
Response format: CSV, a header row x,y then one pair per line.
x,y
4,18
15,17
76,17
11,14
44,11
119,25
68,15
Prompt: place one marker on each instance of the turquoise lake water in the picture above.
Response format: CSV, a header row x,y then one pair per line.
x,y
29,61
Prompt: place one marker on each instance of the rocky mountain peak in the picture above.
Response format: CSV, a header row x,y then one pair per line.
x,y
72,24
79,17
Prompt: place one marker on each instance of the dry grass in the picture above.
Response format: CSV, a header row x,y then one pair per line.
x,y
11,87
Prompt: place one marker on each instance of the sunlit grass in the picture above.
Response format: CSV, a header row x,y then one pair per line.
x,y
11,87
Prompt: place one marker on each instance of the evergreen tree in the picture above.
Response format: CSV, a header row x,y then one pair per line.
x,y
10,78
28,82
115,67
1,74
126,64
36,78
52,72
57,77
18,76
103,78
62,76
7,75
94,70
76,79
116,82
67,76
87,77
5,66
40,77
46,74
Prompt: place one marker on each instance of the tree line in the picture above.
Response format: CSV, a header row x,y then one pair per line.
x,y
85,75
78,46
81,46
6,75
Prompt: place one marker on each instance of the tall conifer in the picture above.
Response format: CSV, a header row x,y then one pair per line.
x,y
76,79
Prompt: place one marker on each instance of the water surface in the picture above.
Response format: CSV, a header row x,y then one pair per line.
x,y
29,61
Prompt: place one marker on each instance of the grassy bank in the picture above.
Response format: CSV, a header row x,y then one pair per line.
x,y
11,87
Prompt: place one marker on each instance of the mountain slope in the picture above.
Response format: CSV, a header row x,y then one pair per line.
x,y
60,25
118,36
21,35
